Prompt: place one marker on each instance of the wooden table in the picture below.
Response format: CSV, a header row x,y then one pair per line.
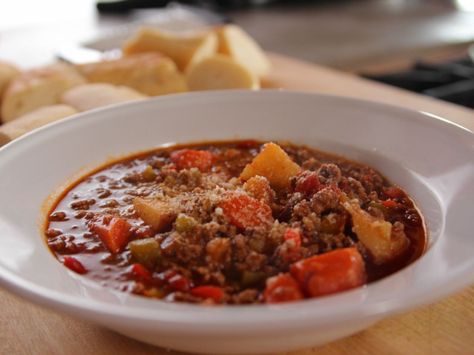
x,y
446,327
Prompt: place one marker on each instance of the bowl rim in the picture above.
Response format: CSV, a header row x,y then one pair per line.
x,y
294,312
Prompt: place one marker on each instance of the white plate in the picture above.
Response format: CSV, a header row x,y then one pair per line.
x,y
431,158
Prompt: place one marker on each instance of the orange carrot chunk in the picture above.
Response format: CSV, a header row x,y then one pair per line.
x,y
282,288
115,234
244,211
190,158
331,272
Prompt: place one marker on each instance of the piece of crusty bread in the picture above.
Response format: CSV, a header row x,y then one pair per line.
x,y
89,96
236,43
32,120
150,73
220,72
7,72
184,48
36,88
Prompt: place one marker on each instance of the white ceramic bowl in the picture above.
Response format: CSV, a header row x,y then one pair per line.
x,y
431,158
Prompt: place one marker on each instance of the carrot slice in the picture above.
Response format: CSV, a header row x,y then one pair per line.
x,y
115,234
244,211
331,272
282,288
190,158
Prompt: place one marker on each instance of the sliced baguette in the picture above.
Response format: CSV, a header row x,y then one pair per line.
x,y
36,88
185,49
32,120
7,73
220,72
89,96
237,44
149,73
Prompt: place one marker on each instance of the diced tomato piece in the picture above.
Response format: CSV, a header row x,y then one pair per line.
x,y
331,272
176,281
244,211
213,292
389,203
114,232
140,272
307,182
190,158
393,192
294,235
282,288
179,283
74,265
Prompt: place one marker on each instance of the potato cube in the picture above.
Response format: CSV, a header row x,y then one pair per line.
x,y
377,235
274,164
157,214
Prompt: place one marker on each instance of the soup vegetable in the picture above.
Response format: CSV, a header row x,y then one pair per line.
x,y
234,223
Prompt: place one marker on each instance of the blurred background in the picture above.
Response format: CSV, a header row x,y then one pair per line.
x,y
416,44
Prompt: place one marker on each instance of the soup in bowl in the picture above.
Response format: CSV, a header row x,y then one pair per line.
x,y
133,206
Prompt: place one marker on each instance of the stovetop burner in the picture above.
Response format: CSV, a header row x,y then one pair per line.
x,y
450,81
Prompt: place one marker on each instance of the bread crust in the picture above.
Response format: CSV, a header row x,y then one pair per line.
x,y
151,74
36,88
185,49
33,120
89,96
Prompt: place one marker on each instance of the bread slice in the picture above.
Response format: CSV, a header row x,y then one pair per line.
x,y
220,72
184,48
36,88
32,120
149,73
237,44
7,73
89,96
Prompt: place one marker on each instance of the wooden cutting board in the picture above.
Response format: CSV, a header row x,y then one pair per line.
x,y
446,327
